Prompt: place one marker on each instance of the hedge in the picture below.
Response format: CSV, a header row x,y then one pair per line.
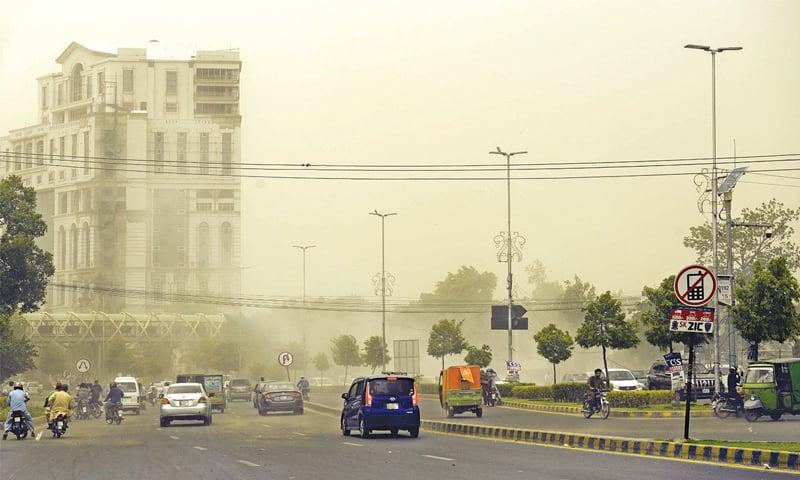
x,y
532,392
639,398
572,392
507,389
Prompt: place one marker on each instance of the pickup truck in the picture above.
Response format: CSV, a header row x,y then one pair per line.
x,y
702,387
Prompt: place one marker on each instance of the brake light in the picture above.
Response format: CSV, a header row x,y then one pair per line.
x,y
415,398
164,401
367,396
202,400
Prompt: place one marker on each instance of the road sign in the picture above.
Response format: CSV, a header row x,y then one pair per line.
x,y
691,319
83,365
725,290
695,285
500,317
513,367
674,362
285,359
406,356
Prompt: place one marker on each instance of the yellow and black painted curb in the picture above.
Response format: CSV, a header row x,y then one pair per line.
x,y
687,451
576,410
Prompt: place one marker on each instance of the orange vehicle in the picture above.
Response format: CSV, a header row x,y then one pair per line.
x,y
460,390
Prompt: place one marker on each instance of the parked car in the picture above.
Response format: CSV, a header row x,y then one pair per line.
x,y
239,389
641,377
280,397
622,379
702,385
575,377
185,401
381,402
658,378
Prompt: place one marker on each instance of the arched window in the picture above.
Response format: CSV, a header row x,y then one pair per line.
x,y
225,245
87,245
62,248
77,82
203,245
73,245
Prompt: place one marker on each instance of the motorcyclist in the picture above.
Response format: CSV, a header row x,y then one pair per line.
x,y
84,394
17,399
733,382
97,390
304,386
56,388
113,399
596,385
61,403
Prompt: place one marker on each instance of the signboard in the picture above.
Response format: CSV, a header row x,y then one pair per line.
x,y
500,317
675,370
406,356
285,359
691,319
513,367
695,285
678,381
83,365
725,290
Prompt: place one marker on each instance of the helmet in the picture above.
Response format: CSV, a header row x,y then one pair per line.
x,y
18,385
64,387
58,385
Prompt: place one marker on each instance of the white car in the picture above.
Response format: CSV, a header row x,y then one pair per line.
x,y
623,379
185,401
130,387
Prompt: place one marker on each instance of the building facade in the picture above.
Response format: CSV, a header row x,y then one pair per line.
x,y
134,158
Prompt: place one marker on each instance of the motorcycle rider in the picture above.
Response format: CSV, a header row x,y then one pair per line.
x,y
17,399
60,403
113,399
733,382
596,385
84,395
303,386
97,390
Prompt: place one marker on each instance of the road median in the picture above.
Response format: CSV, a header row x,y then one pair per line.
x,y
576,410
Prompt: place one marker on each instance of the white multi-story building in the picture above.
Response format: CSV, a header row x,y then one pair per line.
x,y
134,160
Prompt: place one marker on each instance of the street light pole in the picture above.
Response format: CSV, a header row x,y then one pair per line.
x,y
304,248
714,186
383,281
509,249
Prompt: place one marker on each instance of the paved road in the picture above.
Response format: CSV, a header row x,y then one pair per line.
x,y
242,445
658,428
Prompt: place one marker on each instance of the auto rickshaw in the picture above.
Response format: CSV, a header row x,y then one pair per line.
x,y
772,388
460,390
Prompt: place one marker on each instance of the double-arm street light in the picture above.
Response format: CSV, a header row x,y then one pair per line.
x,y
304,248
714,185
383,280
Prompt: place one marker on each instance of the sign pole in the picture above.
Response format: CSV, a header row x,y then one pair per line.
x,y
688,412
288,377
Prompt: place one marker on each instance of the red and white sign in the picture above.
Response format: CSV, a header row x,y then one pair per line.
x,y
695,285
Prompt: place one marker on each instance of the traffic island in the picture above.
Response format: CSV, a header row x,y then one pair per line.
x,y
630,413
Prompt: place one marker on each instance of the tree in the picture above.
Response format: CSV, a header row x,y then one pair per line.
x,y
481,357
751,244
446,338
322,365
376,352
213,354
119,358
554,344
16,351
24,267
153,363
654,315
604,326
53,360
577,295
345,352
466,285
765,305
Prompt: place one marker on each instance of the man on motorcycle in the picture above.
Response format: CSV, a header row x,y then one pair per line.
x,y
60,403
596,385
733,382
97,390
17,399
113,399
304,387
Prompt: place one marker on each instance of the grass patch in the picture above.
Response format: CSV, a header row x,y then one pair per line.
x,y
650,408
784,446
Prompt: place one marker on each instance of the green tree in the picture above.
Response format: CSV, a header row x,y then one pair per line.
x,y
577,296
322,365
554,344
765,305
344,350
153,363
376,352
479,356
53,360
17,353
654,316
751,244
119,358
604,326
445,339
257,370
466,285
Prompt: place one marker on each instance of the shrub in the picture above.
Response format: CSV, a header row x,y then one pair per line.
x,y
572,392
532,392
427,388
639,398
507,389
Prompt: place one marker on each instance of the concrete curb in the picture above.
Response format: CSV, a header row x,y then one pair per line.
x,y
686,451
577,411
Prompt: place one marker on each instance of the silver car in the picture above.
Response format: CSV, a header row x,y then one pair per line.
x,y
185,401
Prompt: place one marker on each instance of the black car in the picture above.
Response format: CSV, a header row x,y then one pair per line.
x,y
239,389
702,385
659,378
280,397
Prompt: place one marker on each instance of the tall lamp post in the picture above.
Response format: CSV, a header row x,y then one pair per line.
x,y
304,248
509,249
383,280
714,186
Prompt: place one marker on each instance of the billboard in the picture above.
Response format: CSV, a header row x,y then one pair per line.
x,y
406,356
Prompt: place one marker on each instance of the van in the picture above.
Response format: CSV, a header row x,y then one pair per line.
x,y
130,387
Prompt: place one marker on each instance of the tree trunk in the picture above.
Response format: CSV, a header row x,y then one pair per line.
x,y
442,362
605,366
554,374
345,376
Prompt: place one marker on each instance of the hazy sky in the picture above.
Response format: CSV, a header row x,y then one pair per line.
x,y
445,82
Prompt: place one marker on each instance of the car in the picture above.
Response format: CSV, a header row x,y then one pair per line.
x,y
280,397
381,402
239,389
641,377
131,400
575,378
623,379
702,385
658,378
185,401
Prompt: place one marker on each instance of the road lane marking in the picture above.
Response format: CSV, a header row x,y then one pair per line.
x,y
174,437
200,448
444,459
249,464
301,434
353,444
39,435
264,424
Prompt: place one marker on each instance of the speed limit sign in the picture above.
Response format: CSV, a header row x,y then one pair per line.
x,y
285,359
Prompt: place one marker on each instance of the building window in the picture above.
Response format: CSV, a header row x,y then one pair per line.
x,y
86,153
40,152
75,203
8,160
127,81
143,106
60,94
87,245
28,155
62,248
216,108
217,74
181,150
61,174
88,86
225,244
18,157
203,152
62,203
73,149
227,148
172,83
101,83
62,147
158,151
44,97
171,107
77,82
87,200
51,177
73,241
203,206
203,245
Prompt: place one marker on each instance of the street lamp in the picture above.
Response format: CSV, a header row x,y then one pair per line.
x,y
714,186
509,248
305,350
383,280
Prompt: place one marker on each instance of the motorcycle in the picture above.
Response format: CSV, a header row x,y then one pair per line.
x,y
306,396
82,412
59,426
113,415
723,405
94,410
590,405
18,425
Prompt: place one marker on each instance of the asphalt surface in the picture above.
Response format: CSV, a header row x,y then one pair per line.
x,y
242,445
785,430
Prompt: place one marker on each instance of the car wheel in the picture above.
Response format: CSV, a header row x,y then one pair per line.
x,y
362,428
164,422
414,432
450,412
479,412
207,421
775,416
298,411
345,430
394,432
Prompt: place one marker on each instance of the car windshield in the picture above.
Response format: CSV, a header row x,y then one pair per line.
x,y
759,375
128,387
184,389
620,375
240,383
385,386
280,387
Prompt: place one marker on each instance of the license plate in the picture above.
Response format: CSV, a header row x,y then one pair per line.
x,y
706,390
186,403
60,425
392,406
84,409
16,419
286,398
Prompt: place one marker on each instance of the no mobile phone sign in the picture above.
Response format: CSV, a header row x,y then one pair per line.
x,y
695,285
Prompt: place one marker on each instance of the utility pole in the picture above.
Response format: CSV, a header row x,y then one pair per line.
x,y
714,186
383,280
303,320
509,240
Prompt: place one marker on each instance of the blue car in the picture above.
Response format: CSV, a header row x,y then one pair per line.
x,y
381,402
